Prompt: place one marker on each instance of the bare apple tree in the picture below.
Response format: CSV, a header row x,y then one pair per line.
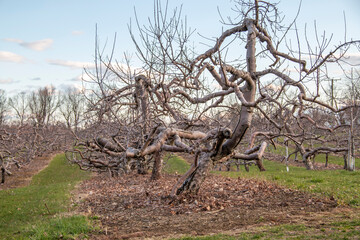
x,y
72,107
30,130
19,105
42,105
3,106
181,98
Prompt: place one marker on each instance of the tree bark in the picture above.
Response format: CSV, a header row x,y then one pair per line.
x,y
2,175
156,171
249,91
193,182
351,152
141,166
327,159
308,163
345,162
142,102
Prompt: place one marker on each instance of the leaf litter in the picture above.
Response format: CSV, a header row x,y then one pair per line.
x,y
132,206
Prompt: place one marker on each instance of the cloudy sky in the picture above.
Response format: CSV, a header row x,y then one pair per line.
x,y
48,42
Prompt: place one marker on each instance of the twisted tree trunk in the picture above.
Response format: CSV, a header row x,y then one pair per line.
x,y
247,93
194,180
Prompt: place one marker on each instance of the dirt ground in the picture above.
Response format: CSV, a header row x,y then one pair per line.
x,y
22,176
132,206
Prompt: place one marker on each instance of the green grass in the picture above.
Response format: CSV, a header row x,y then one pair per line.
x,y
66,228
343,185
34,211
320,158
175,164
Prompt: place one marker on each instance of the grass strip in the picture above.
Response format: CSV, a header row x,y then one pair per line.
x,y
35,211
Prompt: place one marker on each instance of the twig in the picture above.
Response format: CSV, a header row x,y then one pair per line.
x,y
47,208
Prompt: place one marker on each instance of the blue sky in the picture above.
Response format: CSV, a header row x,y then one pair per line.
x,y
47,42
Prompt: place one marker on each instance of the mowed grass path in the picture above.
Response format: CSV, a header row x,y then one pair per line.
x,y
35,211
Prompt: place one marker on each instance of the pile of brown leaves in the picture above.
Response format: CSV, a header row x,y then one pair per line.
x,y
134,204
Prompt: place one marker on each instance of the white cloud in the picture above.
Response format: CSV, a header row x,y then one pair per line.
x,y
13,40
76,32
71,64
353,58
6,81
36,45
11,57
81,77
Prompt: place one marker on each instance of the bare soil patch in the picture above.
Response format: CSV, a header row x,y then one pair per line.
x,y
22,176
132,206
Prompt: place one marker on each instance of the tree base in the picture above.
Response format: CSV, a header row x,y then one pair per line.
x,y
193,182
